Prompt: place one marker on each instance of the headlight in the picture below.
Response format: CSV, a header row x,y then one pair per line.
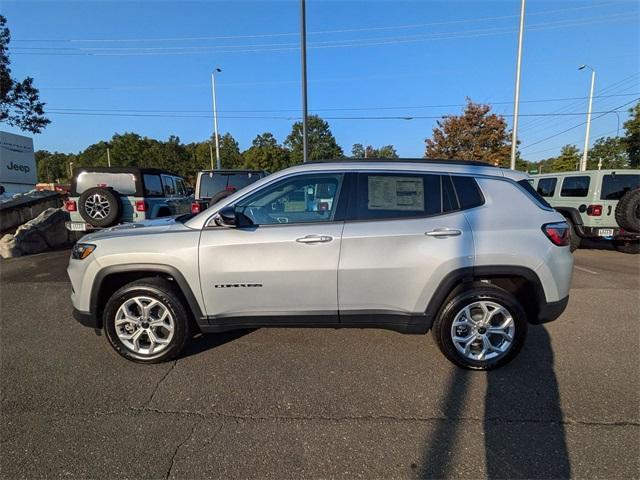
x,y
82,250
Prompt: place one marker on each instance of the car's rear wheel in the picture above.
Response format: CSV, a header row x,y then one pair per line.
x,y
481,327
145,321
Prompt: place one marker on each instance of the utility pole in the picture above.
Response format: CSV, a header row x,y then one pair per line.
x,y
303,50
215,118
108,158
516,102
585,152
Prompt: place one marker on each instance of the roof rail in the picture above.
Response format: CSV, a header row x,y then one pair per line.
x,y
405,160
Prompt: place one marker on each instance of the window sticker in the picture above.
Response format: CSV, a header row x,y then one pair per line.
x,y
396,193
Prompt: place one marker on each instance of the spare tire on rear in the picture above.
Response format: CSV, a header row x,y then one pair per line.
x,y
628,211
219,196
100,206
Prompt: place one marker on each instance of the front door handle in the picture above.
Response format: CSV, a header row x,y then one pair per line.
x,y
444,232
314,239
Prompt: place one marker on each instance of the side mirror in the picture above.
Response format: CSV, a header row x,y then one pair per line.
x,y
226,216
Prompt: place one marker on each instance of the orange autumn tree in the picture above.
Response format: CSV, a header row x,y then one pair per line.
x,y
477,134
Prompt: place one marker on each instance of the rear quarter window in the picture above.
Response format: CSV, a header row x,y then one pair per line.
x,y
526,184
575,186
467,191
614,186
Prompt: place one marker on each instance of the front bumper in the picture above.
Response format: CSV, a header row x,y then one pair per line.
x,y
549,311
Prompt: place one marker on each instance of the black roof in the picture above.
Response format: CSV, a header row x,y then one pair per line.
x,y
407,160
134,170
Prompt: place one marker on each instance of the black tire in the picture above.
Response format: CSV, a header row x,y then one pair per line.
x,y
575,239
109,206
442,327
219,196
627,246
162,291
628,211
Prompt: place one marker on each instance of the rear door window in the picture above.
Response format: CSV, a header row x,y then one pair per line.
x,y
575,187
614,186
395,195
180,187
168,185
152,185
547,186
123,183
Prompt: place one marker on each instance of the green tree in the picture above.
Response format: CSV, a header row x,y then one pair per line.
x,y
20,105
266,154
477,134
632,137
53,167
358,150
386,151
230,156
567,161
610,151
322,144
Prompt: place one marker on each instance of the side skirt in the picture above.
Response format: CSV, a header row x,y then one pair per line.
x,y
397,321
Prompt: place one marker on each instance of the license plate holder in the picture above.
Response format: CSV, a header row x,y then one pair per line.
x,y
77,226
605,232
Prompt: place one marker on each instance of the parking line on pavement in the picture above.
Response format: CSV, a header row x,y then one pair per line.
x,y
577,267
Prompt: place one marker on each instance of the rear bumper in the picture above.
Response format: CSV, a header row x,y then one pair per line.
x,y
618,233
549,311
87,319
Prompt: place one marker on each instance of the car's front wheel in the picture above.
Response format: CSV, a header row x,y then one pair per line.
x,y
145,321
482,327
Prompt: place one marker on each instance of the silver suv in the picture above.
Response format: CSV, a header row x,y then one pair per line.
x,y
464,249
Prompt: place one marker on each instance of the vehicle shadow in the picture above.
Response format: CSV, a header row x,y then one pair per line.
x,y
524,435
203,342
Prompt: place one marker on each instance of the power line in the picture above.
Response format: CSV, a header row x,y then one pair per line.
x,y
133,113
318,32
578,125
141,51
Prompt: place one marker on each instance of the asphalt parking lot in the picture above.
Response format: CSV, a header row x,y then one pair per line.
x,y
279,403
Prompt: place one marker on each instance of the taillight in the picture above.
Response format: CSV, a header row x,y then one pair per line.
x,y
230,188
594,210
141,206
70,206
558,233
196,207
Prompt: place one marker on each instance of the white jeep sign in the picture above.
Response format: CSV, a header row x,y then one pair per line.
x,y
17,163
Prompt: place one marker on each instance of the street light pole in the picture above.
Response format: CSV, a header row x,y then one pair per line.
x,y
585,153
215,119
516,101
303,50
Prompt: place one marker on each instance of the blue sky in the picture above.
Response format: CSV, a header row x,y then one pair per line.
x,y
100,63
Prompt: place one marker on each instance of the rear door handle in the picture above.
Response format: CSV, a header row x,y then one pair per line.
x,y
444,232
314,239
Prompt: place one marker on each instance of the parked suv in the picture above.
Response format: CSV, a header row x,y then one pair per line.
x,y
214,185
104,196
596,203
467,250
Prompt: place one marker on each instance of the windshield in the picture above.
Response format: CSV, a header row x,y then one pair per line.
x,y
213,183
